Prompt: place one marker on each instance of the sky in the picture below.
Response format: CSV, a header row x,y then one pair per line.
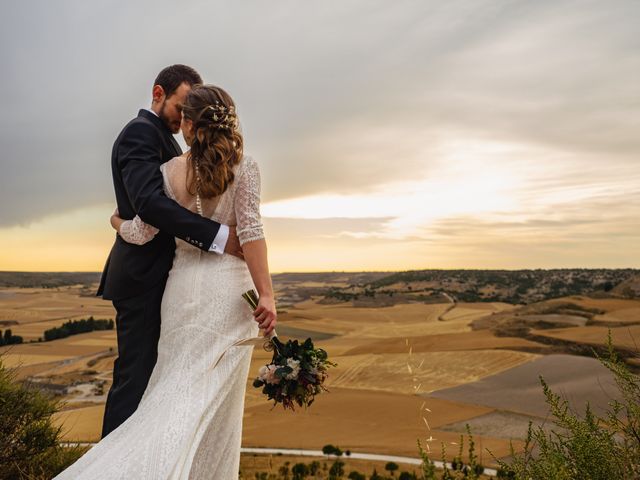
x,y
390,135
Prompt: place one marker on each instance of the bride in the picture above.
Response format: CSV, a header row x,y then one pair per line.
x,y
188,424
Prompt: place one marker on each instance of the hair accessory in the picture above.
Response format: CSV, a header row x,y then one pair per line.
x,y
226,116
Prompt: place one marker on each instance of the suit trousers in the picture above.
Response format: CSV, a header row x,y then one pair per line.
x,y
138,332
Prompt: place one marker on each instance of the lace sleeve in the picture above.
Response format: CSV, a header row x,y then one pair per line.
x,y
136,231
167,171
247,203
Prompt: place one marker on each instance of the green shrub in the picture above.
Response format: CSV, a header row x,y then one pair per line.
x,y
586,447
30,442
428,467
458,470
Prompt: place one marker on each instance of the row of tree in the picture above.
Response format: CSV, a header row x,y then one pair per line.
x,y
9,338
74,327
303,471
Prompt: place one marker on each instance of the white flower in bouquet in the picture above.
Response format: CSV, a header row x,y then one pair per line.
x,y
295,365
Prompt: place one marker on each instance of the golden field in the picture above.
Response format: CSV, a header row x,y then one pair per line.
x,y
401,372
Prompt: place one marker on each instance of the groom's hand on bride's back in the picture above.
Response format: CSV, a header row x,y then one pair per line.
x,y
233,244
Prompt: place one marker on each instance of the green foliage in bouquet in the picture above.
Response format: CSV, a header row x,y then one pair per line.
x,y
297,371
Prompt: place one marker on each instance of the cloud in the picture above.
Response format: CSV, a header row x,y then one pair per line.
x,y
411,114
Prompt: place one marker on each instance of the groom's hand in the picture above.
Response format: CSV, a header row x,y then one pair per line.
x,y
233,244
116,221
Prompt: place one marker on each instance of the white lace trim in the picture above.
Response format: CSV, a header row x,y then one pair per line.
x,y
137,232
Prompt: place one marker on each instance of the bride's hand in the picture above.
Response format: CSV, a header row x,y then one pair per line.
x,y
266,314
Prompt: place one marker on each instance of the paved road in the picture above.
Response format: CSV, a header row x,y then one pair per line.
x,y
318,453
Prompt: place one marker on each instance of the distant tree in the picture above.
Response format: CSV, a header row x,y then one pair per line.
x,y
9,339
355,475
503,473
314,467
300,471
375,475
391,467
284,471
407,476
337,470
330,450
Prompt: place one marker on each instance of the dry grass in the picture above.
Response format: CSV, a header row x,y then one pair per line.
x,y
387,357
12,360
452,342
37,310
362,421
621,315
626,337
81,424
426,372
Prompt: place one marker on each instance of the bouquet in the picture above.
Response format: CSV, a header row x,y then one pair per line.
x,y
297,371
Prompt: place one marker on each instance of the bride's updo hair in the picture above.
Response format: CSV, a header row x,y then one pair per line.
x,y
217,143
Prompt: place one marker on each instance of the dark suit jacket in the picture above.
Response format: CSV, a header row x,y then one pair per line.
x,y
142,146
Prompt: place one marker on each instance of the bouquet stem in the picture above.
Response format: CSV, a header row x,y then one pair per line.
x,y
252,299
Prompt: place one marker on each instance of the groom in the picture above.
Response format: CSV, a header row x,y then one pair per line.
x,y
134,276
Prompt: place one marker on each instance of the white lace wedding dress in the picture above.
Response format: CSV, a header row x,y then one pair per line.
x,y
189,422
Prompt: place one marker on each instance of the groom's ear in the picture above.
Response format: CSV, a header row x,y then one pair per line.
x,y
158,94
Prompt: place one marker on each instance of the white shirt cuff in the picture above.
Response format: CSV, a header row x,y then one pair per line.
x,y
220,242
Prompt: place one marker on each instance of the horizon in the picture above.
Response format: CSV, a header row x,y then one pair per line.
x,y
363,271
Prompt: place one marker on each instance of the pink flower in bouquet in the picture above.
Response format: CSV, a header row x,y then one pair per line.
x,y
267,373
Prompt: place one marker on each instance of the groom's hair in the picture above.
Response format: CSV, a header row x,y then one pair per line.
x,y
171,77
